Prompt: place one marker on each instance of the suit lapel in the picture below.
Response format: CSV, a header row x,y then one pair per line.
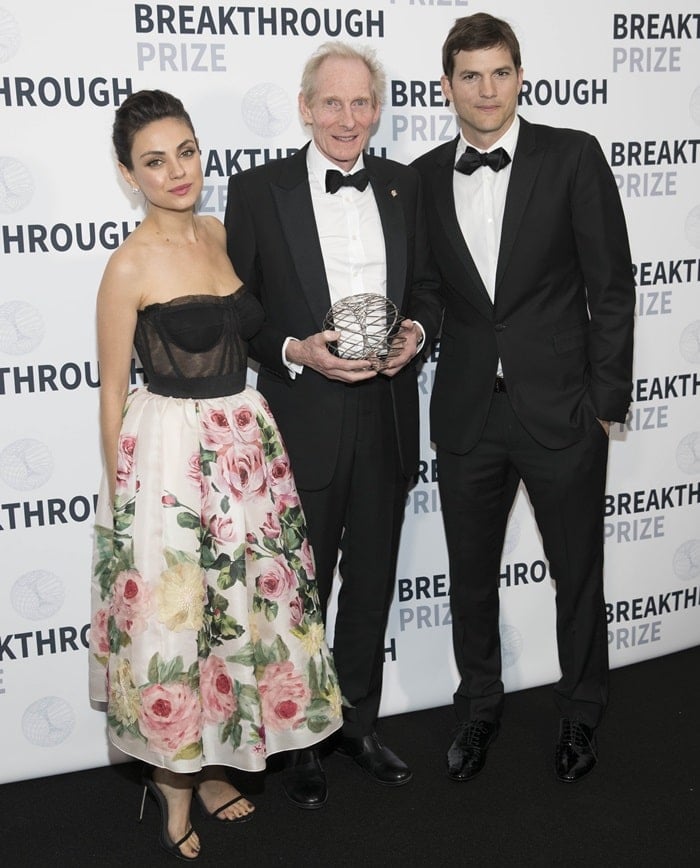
x,y
526,166
444,196
293,200
387,196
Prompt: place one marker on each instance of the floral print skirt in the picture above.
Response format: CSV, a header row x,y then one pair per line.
x,y
207,640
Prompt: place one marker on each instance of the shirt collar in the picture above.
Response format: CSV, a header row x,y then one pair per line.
x,y
508,141
317,164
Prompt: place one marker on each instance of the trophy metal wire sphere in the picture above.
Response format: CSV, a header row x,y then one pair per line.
x,y
368,324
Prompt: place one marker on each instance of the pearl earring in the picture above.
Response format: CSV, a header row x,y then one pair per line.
x,y
135,190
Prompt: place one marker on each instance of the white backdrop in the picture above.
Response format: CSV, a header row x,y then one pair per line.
x,y
629,74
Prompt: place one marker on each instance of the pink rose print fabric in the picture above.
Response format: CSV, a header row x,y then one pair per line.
x,y
207,640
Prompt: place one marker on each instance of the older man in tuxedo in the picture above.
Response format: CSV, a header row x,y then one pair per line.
x,y
303,232
535,361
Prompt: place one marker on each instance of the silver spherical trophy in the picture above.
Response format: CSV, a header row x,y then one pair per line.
x,y
368,324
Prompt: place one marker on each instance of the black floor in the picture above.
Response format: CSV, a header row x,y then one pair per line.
x,y
639,807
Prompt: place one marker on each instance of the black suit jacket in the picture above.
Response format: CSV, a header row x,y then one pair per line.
x,y
562,320
274,246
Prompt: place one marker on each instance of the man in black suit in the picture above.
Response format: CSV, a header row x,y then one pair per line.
x,y
535,361
301,235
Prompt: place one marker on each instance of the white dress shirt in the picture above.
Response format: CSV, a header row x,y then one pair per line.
x,y
351,236
480,200
350,231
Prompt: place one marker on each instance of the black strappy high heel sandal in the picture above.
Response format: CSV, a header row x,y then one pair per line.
x,y
214,815
173,847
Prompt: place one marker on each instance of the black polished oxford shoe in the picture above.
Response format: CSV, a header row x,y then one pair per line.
x,y
576,752
467,753
303,779
378,761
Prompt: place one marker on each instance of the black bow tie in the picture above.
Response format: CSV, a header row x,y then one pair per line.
x,y
471,160
335,180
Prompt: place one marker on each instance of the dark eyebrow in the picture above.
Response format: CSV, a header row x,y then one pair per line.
x,y
160,153
476,72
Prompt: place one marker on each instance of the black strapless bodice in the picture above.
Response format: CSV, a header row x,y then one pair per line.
x,y
195,346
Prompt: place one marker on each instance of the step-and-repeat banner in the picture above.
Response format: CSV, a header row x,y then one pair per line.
x,y
628,72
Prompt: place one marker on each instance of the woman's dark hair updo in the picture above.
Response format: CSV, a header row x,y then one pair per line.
x,y
137,111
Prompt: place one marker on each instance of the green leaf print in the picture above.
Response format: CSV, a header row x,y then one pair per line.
x,y
280,650
120,727
229,628
292,538
191,751
221,561
238,569
224,579
271,546
173,557
162,672
260,655
206,457
231,571
235,735
272,448
116,637
193,675
207,557
217,626
293,517
270,609
113,556
317,724
122,521
248,701
245,655
318,714
313,678
189,520
317,707
323,679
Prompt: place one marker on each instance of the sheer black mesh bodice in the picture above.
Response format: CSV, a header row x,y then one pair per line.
x,y
195,346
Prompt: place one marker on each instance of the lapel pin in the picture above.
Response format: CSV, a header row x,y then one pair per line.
x,y
394,193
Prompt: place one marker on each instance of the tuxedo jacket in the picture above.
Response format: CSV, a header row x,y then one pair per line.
x,y
562,318
274,246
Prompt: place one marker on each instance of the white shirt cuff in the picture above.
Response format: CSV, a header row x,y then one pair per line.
x,y
293,368
421,342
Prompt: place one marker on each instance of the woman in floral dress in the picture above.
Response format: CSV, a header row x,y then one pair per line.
x,y
207,641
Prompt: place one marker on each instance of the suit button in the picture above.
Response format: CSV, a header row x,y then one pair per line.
x,y
500,326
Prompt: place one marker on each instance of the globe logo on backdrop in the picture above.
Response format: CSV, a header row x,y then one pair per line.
x,y
37,595
686,560
48,721
25,464
511,645
266,110
21,327
692,226
16,185
9,36
688,453
689,344
695,105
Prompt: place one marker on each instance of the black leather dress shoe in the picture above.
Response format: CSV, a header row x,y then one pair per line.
x,y
576,752
303,779
467,753
378,761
